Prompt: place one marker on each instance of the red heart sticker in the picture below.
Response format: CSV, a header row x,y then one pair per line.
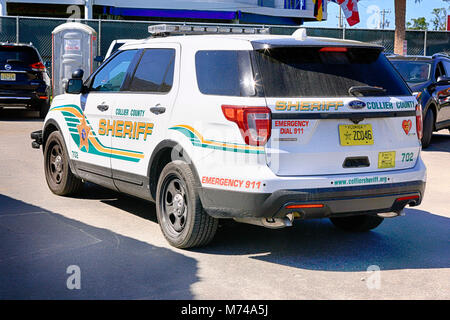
x,y
406,124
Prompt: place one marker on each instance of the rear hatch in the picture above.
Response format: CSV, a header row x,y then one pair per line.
x,y
336,110
20,69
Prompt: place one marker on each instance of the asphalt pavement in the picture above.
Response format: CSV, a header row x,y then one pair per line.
x,y
104,245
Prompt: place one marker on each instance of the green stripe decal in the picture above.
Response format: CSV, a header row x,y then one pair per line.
x,y
232,147
72,120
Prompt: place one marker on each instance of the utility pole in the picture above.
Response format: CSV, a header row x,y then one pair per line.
x,y
341,24
383,19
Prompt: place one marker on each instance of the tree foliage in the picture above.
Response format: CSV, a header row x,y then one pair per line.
x,y
418,24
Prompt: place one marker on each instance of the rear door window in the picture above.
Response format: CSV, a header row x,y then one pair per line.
x,y
225,72
322,72
154,72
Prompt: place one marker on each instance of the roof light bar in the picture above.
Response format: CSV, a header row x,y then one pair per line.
x,y
165,29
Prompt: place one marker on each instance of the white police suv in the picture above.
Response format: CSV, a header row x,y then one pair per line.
x,y
241,124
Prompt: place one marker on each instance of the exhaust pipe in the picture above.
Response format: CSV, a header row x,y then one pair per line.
x,y
271,223
391,214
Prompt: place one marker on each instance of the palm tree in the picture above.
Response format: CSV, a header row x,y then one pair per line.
x,y
400,21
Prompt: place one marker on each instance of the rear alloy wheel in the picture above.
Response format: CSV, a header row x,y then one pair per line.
x,y
58,174
360,223
428,126
181,217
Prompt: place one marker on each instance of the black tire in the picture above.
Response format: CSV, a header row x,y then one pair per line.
x,y
360,223
58,174
428,127
43,110
181,217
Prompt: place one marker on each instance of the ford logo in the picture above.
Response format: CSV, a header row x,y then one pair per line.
x,y
7,67
357,104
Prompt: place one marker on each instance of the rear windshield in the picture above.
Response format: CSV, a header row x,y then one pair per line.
x,y
16,54
413,71
315,72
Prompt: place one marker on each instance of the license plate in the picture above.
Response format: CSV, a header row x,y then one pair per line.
x,y
356,134
8,77
386,160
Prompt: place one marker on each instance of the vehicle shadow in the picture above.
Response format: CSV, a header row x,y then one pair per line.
x,y
19,115
419,240
138,207
439,142
38,246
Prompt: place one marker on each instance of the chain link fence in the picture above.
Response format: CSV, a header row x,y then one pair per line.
x,y
38,31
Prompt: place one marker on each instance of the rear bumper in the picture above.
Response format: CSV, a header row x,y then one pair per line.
x,y
23,99
333,201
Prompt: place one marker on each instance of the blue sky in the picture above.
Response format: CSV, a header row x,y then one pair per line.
x,y
368,12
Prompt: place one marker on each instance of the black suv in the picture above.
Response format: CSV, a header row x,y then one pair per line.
x,y
24,81
429,79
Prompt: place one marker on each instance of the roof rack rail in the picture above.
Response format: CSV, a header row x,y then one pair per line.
x,y
164,30
441,54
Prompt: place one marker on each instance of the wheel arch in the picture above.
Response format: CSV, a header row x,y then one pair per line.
x,y
167,151
431,106
51,126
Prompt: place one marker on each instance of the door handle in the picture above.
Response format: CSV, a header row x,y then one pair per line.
x,y
157,109
102,107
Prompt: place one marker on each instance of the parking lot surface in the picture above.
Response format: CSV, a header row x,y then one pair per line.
x,y
115,246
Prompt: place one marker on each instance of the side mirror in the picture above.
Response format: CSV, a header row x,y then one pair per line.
x,y
74,86
442,81
78,74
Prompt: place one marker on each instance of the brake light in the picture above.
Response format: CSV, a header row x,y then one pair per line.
x,y
408,198
419,121
333,49
255,123
38,66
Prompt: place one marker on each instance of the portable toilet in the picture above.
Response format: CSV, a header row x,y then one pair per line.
x,y
74,46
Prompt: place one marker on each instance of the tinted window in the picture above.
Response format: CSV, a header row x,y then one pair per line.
x,y
154,72
439,70
112,74
413,71
447,67
19,54
310,72
226,73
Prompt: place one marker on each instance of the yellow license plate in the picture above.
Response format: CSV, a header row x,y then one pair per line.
x,y
386,160
356,134
8,76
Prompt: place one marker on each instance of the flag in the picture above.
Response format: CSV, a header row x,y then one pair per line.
x,y
318,9
350,9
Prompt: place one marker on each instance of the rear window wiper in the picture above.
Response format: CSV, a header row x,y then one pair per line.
x,y
14,61
362,91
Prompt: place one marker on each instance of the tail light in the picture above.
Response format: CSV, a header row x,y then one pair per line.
x,y
419,121
255,123
333,49
38,66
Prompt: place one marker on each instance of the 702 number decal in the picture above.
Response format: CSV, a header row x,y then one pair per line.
x,y
407,157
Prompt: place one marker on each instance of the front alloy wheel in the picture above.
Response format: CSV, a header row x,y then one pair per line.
x,y
60,178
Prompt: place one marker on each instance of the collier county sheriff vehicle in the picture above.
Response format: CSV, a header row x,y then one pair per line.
x,y
241,124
